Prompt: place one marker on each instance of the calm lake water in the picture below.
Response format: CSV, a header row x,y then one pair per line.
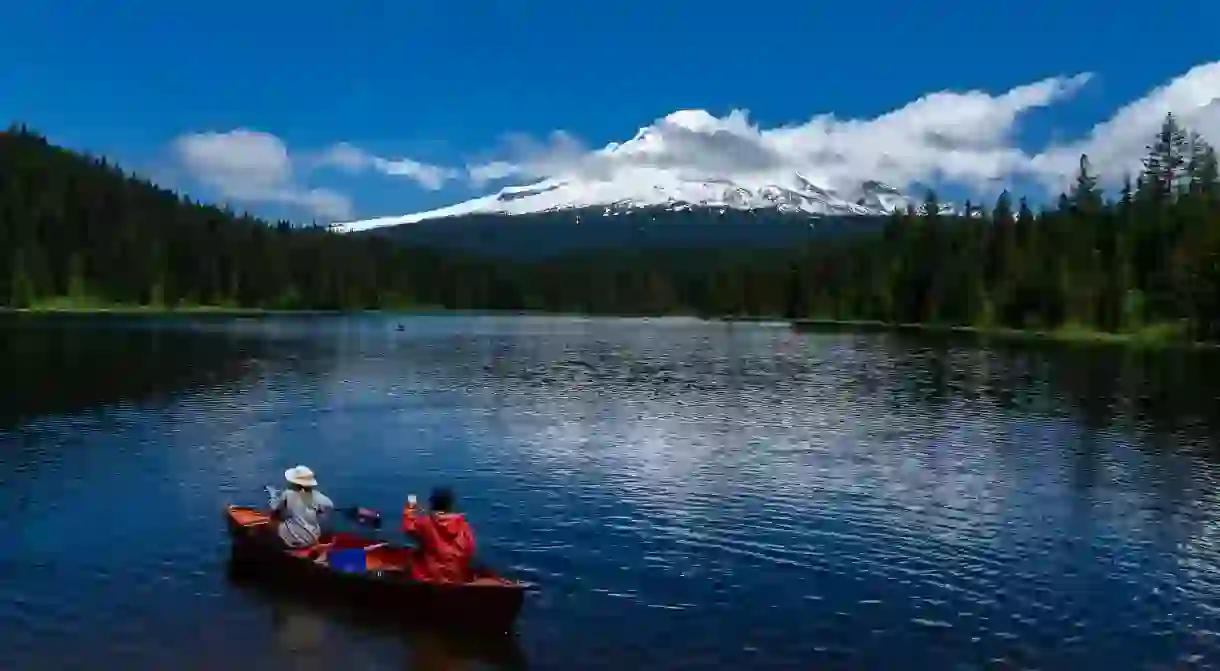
x,y
687,494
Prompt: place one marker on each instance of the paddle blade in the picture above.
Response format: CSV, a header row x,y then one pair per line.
x,y
366,516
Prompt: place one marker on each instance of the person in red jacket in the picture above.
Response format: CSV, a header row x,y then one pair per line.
x,y
446,541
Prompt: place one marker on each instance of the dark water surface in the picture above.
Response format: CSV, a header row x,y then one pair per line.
x,y
688,495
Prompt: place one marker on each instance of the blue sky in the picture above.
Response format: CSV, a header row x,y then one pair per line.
x,y
443,83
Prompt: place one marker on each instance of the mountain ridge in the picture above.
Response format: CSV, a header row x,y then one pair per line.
x,y
642,173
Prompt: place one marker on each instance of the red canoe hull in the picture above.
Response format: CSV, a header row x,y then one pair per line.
x,y
489,603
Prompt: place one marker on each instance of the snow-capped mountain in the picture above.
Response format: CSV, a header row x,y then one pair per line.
x,y
639,174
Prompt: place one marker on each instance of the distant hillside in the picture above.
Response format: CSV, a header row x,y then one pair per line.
x,y
550,234
1147,264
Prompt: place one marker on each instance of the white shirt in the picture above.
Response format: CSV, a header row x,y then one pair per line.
x,y
304,513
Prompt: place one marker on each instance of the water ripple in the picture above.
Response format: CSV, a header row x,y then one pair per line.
x,y
742,496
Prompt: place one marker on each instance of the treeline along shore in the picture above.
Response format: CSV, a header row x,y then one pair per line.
x,y
77,232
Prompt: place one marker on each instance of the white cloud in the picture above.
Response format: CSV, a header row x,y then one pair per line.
x,y
490,172
966,138
961,137
257,167
252,166
345,157
353,159
430,177
239,161
1116,146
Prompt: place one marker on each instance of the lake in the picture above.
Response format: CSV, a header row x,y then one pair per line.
x,y
686,494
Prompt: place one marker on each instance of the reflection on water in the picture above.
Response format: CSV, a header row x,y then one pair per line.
x,y
687,494
311,632
65,364
300,635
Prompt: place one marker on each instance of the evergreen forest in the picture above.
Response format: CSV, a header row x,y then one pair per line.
x,y
77,230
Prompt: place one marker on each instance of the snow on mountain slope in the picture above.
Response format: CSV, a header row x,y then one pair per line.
x,y
635,174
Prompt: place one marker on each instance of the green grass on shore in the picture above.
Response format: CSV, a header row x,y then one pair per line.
x,y
1156,335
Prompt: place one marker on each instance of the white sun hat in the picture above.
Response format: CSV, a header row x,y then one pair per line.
x,y
301,475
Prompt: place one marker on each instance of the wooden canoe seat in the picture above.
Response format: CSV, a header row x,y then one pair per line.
x,y
312,551
388,559
248,516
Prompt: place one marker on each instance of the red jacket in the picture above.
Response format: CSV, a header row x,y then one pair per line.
x,y
446,546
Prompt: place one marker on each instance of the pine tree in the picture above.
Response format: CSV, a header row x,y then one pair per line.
x,y
931,204
1000,240
22,287
1165,164
78,225
1202,169
796,302
1064,204
1024,212
77,288
1086,197
1127,194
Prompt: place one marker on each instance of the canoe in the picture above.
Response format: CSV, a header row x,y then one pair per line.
x,y
489,602
446,647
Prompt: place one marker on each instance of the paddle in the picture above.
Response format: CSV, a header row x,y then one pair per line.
x,y
362,515
358,514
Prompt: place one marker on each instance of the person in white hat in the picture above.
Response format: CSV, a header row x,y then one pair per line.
x,y
301,509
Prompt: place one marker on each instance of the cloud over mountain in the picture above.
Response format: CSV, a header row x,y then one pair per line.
x,y
965,138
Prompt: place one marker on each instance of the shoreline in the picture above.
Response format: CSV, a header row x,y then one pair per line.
x,y
162,311
1163,336
1157,336
52,308
58,306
